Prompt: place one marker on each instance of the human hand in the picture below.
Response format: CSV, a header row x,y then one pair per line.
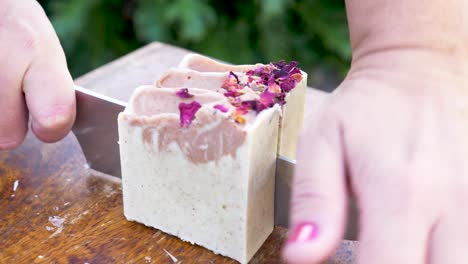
x,y
34,76
395,136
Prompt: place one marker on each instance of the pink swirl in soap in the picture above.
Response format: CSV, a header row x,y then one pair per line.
x,y
208,139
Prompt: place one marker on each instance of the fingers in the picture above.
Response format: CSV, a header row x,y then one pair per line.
x,y
47,84
318,202
32,65
50,99
14,59
449,241
13,121
392,235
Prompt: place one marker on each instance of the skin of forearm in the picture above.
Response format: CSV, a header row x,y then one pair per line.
x,y
406,33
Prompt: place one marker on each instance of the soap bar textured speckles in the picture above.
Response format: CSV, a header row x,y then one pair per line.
x,y
210,182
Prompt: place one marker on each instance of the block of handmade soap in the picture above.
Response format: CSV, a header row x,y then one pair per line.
x,y
286,80
196,167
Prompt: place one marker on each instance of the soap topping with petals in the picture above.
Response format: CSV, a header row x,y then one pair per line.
x,y
271,82
263,87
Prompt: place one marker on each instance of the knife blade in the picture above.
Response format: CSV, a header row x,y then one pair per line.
x,y
283,186
283,182
96,130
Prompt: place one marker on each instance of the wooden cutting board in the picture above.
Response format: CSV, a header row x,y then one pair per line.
x,y
54,209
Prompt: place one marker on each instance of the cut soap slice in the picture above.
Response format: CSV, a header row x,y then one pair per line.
x,y
292,116
209,183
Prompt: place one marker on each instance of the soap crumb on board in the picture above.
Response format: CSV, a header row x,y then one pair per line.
x,y
56,221
15,185
174,259
40,257
148,259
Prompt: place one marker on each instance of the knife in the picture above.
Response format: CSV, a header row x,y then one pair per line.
x,y
96,130
97,133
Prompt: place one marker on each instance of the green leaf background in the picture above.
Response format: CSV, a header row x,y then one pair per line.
x,y
313,32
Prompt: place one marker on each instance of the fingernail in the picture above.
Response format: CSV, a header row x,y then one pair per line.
x,y
52,122
304,232
55,116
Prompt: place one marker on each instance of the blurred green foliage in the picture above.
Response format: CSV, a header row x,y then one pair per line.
x,y
313,32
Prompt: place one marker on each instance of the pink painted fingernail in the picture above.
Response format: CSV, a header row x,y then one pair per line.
x,y
304,232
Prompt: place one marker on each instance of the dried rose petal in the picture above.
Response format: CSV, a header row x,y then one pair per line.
x,y
280,74
231,82
264,72
187,112
267,99
232,74
284,69
250,104
184,93
295,71
274,88
234,100
233,93
288,84
288,67
221,108
282,65
244,107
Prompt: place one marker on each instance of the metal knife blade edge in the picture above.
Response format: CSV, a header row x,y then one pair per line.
x,y
96,129
100,96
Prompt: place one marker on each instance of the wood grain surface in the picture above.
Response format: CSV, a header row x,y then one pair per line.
x,y
53,209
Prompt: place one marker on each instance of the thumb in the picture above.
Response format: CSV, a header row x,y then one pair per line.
x,y
318,202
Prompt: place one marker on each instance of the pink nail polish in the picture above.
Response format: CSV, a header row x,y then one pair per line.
x,y
304,232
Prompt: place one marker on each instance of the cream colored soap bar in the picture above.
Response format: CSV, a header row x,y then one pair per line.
x,y
190,169
292,115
